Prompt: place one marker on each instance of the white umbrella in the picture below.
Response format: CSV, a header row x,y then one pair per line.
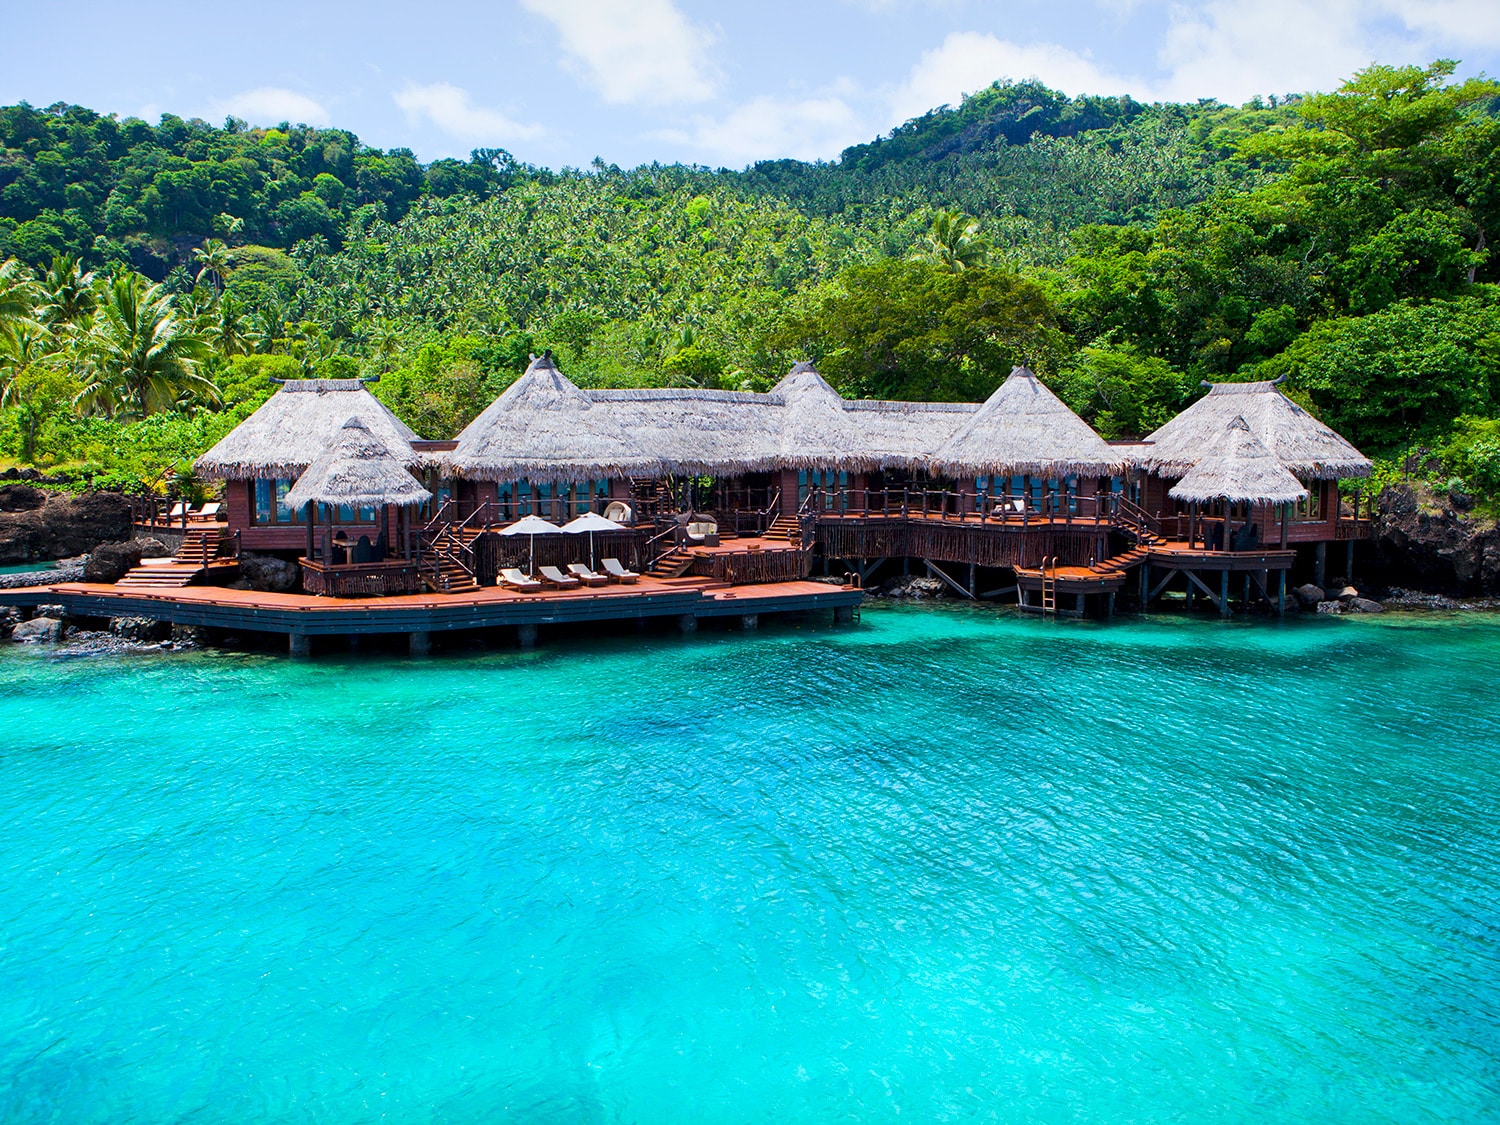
x,y
532,526
591,522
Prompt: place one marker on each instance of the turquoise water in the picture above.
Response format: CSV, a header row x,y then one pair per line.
x,y
28,568
945,866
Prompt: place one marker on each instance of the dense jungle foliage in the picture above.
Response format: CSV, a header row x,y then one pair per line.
x,y
155,275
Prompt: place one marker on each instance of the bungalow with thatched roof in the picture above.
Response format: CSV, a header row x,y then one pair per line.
x,y
1309,450
1023,432
1238,476
260,458
550,441
357,470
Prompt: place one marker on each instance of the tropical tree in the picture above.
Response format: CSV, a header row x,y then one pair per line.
x,y
66,292
953,243
141,356
228,328
215,259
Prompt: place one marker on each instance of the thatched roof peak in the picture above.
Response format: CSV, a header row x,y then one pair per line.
x,y
802,381
1025,429
545,428
358,469
1304,445
294,425
1240,468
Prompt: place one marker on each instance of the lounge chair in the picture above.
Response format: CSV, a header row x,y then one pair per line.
x,y
556,578
613,568
207,512
704,533
619,511
587,576
515,580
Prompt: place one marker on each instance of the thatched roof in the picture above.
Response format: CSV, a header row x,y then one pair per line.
x,y
1023,428
543,428
358,469
902,435
1239,468
698,431
815,428
297,423
1304,445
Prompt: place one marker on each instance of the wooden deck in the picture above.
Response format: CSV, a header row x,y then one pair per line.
x,y
488,607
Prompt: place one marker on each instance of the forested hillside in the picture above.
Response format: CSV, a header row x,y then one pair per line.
x,y
1126,251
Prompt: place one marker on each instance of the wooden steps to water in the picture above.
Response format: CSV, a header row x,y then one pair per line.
x,y
784,528
674,564
203,549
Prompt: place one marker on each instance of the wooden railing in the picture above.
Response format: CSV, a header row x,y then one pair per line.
x,y
961,507
359,580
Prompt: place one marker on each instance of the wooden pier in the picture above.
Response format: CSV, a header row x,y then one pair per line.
x,y
301,616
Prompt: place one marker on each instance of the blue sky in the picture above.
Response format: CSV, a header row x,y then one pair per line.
x,y
562,81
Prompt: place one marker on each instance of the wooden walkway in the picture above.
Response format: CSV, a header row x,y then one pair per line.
x,y
305,615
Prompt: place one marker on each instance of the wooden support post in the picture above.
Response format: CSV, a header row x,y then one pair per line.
x,y
971,578
1349,562
1224,585
526,636
1320,566
1078,604
843,615
1109,605
419,644
1281,595
298,645
1145,583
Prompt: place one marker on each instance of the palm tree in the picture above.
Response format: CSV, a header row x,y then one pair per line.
x,y
228,331
215,259
18,292
141,356
270,324
22,342
66,291
954,243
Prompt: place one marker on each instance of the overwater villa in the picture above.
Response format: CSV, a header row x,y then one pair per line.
x,y
728,502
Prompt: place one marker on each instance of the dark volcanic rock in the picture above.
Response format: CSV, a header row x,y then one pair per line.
x,y
40,524
1422,542
1309,595
267,572
110,562
140,629
10,617
39,630
913,586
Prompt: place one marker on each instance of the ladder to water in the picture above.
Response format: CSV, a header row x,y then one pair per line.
x,y
1049,586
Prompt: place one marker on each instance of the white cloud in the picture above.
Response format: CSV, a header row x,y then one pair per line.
x,y
634,51
272,104
768,128
967,61
451,110
1235,49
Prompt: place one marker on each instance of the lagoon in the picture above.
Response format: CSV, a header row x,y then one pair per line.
x,y
947,865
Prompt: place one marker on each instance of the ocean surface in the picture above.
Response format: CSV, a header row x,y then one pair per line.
x,y
946,865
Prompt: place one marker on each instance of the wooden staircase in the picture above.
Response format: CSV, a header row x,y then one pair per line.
x,y
674,564
201,547
785,528
446,574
